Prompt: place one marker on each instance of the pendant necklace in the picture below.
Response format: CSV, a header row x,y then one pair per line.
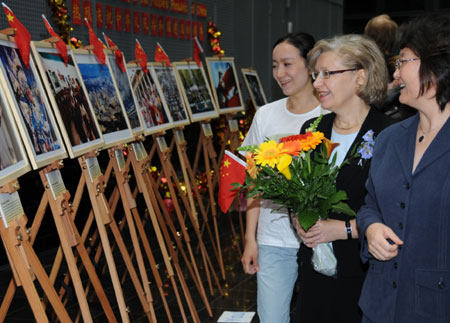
x,y
422,137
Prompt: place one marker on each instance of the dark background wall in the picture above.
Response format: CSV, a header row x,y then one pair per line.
x,y
249,27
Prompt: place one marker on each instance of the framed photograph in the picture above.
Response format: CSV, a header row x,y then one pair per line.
x,y
254,87
195,90
13,161
105,98
71,105
26,97
126,93
165,75
150,99
225,84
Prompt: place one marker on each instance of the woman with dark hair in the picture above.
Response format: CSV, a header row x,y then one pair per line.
x,y
270,244
405,223
350,74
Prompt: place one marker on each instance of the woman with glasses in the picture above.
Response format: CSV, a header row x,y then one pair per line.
x,y
270,244
349,74
405,222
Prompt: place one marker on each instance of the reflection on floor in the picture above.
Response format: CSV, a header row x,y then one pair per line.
x,y
239,289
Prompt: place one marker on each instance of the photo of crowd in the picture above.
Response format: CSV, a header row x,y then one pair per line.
x,y
71,101
196,90
168,82
29,99
149,98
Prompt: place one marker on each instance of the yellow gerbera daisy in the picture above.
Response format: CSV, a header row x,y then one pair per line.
x,y
268,153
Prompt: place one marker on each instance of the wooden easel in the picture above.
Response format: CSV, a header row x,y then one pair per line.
x,y
140,162
189,176
121,169
26,265
164,154
58,198
103,217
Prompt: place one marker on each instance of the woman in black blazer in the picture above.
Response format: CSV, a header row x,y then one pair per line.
x,y
349,73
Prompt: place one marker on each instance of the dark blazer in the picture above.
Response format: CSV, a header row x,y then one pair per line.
x,y
352,178
414,286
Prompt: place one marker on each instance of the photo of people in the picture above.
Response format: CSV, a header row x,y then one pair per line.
x,y
151,103
12,161
225,83
166,78
69,98
254,87
105,98
123,84
29,99
196,91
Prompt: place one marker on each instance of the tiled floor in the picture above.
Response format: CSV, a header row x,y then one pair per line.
x,y
239,289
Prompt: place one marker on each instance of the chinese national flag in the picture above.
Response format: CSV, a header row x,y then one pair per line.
x,y
60,45
96,43
198,52
22,36
161,56
141,56
117,53
231,171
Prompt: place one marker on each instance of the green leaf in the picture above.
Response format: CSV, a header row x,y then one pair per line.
x,y
308,219
342,207
338,196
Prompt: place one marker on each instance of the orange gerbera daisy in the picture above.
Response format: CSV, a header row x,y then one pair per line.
x,y
292,147
251,165
312,140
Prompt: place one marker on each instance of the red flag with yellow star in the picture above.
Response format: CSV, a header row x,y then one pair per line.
x,y
231,171
96,43
161,56
22,36
141,56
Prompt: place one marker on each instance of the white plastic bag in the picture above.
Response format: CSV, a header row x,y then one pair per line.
x,y
323,259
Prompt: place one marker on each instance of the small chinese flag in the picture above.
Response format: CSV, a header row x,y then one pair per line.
x,y
22,36
198,52
98,46
141,56
117,52
231,171
161,56
60,45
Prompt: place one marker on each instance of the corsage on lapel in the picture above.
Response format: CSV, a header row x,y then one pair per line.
x,y
365,149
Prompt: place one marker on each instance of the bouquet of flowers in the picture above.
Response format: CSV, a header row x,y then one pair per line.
x,y
296,174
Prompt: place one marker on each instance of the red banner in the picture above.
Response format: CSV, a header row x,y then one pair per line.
x,y
99,15
174,28
134,1
193,8
119,19
201,31
160,4
188,29
145,23
153,25
180,6
169,27
160,26
127,17
181,29
144,3
127,1
201,10
136,22
87,10
194,29
76,12
109,17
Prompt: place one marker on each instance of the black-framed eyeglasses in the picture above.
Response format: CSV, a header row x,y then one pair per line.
x,y
399,62
326,74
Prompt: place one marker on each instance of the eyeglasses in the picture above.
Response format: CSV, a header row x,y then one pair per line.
x,y
399,62
326,74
